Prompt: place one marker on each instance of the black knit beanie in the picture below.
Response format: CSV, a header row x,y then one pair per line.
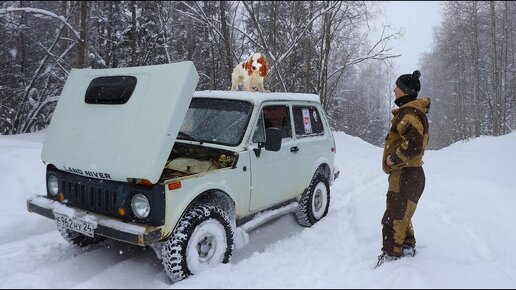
x,y
409,83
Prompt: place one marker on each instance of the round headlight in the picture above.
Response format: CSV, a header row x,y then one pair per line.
x,y
53,185
140,205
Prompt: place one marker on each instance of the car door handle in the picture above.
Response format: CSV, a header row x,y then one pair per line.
x,y
294,149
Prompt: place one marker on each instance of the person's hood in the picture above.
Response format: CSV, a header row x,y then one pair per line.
x,y
422,105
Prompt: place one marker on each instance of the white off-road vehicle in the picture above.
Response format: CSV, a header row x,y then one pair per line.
x,y
135,155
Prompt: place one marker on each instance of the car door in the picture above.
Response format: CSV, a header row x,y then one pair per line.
x,y
313,144
271,172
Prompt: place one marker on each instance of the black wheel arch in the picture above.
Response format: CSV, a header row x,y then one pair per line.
x,y
325,170
217,198
213,197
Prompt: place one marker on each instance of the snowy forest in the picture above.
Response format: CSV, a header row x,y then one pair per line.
x,y
470,72
320,47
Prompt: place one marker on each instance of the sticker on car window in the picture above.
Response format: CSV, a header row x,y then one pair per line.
x,y
306,121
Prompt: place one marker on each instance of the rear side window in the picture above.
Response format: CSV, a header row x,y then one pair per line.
x,y
307,121
112,90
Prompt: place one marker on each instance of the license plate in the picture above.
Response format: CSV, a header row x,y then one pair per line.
x,y
64,222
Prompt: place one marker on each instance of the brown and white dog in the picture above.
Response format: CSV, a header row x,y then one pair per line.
x,y
250,74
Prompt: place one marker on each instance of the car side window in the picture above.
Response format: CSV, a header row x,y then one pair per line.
x,y
259,131
307,121
278,116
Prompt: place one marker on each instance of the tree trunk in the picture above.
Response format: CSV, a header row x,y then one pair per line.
x,y
133,33
323,92
494,71
226,40
109,34
512,93
63,10
273,31
22,45
476,73
308,50
503,71
83,45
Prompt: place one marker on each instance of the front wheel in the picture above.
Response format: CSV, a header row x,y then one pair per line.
x,y
315,201
203,238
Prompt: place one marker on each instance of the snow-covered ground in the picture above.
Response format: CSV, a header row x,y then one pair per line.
x,y
465,227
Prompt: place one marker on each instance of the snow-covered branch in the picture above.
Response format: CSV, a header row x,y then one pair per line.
x,y
37,11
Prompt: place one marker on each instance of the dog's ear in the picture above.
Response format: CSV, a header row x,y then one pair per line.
x,y
248,65
264,70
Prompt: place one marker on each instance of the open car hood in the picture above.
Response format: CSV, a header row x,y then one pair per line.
x,y
119,123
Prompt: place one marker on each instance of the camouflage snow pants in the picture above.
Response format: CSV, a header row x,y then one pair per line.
x,y
405,189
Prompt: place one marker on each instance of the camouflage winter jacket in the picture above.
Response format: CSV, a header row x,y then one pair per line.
x,y
408,136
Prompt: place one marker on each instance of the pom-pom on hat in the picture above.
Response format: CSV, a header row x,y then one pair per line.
x,y
409,83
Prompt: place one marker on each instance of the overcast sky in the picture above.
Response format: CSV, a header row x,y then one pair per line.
x,y
416,20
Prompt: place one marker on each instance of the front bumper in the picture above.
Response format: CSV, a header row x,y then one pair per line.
x,y
106,227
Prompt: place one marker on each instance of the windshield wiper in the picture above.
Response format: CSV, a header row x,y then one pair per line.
x,y
183,135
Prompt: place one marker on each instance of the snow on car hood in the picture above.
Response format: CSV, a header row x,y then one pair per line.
x,y
115,140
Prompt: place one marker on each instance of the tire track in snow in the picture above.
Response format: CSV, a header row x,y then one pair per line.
x,y
61,264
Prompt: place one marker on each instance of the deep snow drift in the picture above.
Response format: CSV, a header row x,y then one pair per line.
x,y
464,225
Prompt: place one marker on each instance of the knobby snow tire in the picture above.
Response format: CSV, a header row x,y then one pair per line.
x,y
305,214
174,251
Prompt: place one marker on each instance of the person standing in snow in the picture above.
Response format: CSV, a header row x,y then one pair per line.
x,y
403,159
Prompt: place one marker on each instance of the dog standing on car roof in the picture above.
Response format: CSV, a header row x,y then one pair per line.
x,y
250,74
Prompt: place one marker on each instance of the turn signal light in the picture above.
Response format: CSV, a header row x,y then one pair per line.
x,y
144,182
121,211
60,197
174,185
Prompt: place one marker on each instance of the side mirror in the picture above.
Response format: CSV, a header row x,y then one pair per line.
x,y
273,139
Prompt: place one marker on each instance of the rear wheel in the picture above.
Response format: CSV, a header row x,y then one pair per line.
x,y
202,239
79,239
315,201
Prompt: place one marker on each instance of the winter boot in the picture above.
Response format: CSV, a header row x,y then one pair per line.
x,y
385,257
409,250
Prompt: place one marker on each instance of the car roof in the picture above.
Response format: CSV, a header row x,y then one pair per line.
x,y
257,97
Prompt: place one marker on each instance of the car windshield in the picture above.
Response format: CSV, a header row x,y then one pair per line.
x,y
216,121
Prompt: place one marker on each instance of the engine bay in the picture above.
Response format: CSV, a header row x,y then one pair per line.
x,y
190,159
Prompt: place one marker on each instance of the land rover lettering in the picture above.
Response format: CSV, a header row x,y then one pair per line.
x,y
73,170
88,173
